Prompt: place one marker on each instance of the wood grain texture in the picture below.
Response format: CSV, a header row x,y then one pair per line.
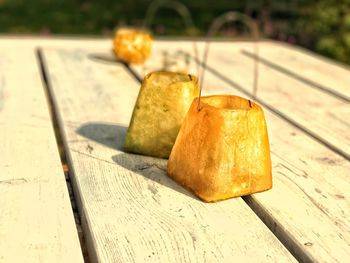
x,y
321,115
309,205
310,66
132,212
36,218
33,42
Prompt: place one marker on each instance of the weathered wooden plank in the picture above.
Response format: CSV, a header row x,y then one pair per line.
x,y
132,212
36,219
319,72
21,41
309,205
305,107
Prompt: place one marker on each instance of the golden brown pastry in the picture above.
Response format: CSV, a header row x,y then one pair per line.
x,y
161,106
222,151
132,45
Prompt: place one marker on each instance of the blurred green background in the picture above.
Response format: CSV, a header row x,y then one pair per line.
x,y
322,26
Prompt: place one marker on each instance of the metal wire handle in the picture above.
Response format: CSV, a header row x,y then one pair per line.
x,y
180,8
218,22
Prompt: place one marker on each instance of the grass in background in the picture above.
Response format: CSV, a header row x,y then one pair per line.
x,y
323,25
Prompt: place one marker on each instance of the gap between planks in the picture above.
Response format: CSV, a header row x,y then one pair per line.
x,y
272,109
85,237
86,220
270,220
62,153
278,230
275,228
296,76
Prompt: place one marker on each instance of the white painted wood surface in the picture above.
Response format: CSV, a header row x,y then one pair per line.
x,y
326,72
33,42
309,108
132,212
36,218
324,116
309,205
305,172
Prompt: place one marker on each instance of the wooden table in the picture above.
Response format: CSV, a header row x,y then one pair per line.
x,y
129,210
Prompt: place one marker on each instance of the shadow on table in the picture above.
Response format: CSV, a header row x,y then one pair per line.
x,y
108,134
113,136
105,58
150,168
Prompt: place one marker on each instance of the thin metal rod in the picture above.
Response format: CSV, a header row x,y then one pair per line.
x,y
215,26
256,70
179,8
205,57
